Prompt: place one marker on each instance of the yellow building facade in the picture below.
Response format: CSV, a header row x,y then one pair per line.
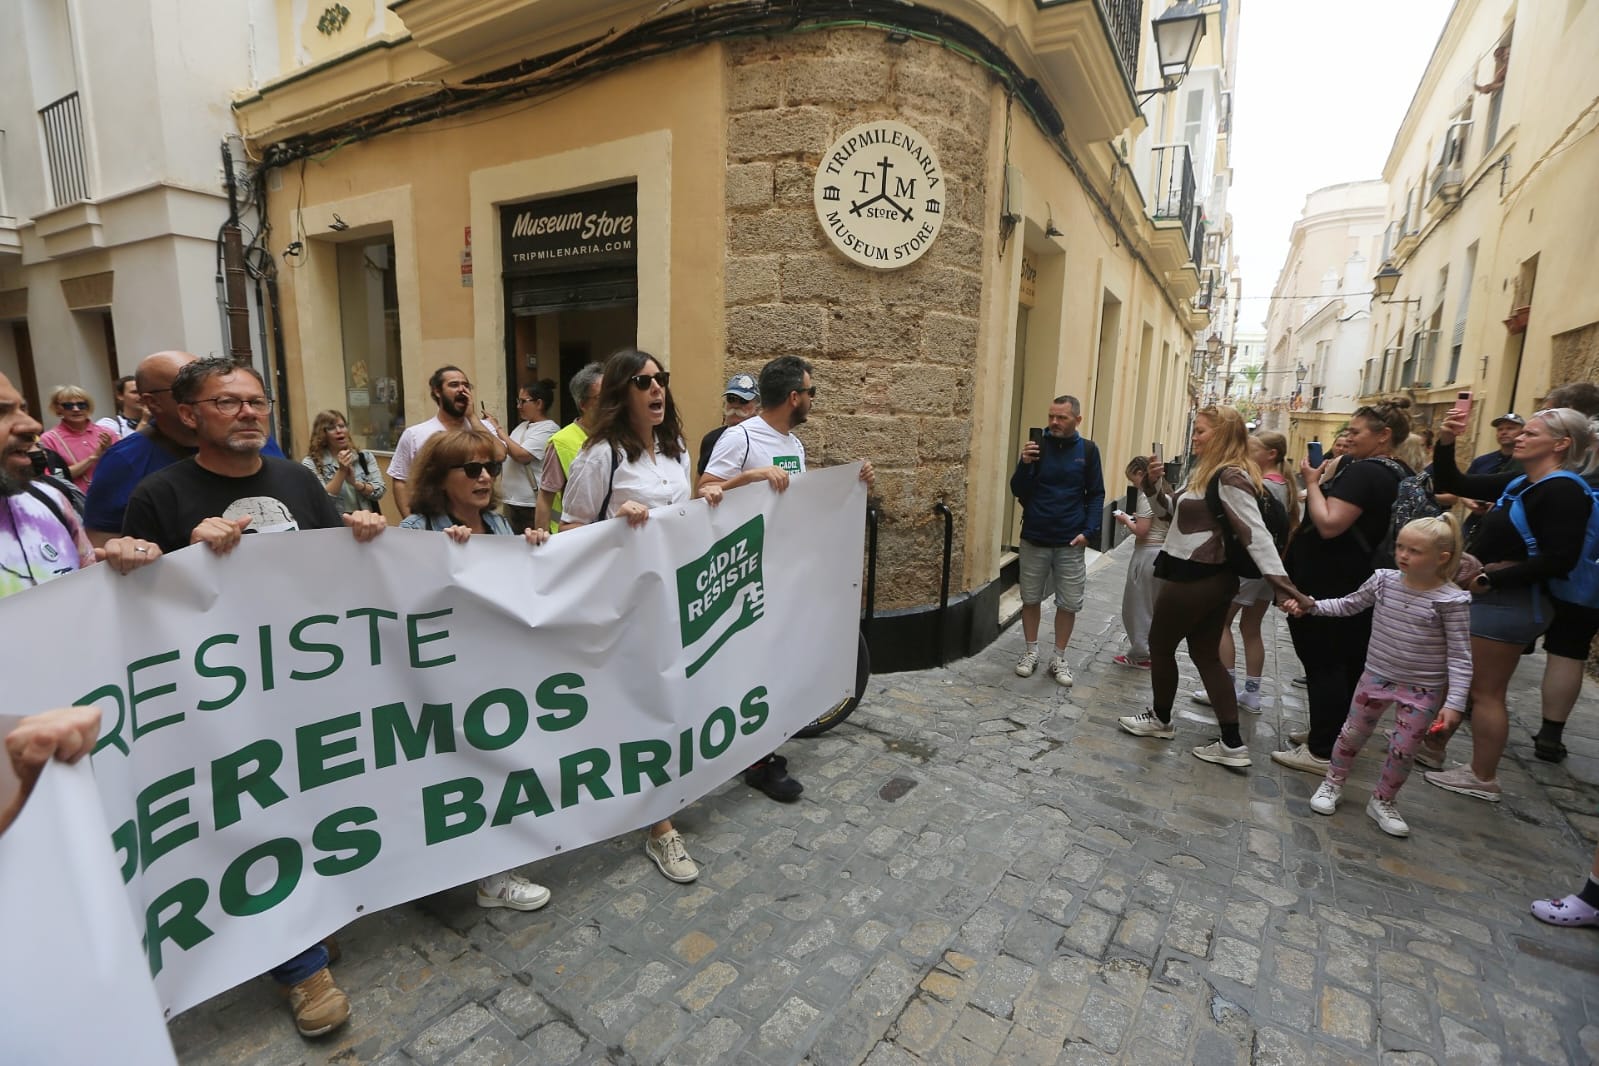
x,y
1492,224
519,186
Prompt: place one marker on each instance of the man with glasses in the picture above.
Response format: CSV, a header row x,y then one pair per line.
x,y
764,448
161,441
228,489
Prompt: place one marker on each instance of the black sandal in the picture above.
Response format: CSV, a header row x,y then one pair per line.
x,y
1548,750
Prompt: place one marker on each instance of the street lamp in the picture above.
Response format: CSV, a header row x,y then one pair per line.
x,y
1177,33
1301,372
1385,281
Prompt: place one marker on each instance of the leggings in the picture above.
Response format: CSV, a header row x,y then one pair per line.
x,y
1414,709
1196,610
1333,651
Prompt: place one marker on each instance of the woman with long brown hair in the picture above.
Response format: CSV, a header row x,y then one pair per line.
x,y
634,461
1198,585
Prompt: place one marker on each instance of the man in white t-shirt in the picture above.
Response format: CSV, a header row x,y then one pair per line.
x,y
764,448
452,392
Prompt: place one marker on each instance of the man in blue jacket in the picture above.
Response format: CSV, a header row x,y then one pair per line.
x,y
1062,491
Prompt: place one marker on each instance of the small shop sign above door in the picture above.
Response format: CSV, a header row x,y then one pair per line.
x,y
880,195
591,229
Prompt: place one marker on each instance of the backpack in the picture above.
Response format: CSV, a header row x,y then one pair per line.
x,y
1415,500
1271,513
1581,585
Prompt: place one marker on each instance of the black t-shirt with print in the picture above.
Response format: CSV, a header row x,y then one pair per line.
x,y
1328,567
279,497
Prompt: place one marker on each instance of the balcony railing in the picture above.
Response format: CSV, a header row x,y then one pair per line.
x,y
1390,239
1173,192
63,148
1124,17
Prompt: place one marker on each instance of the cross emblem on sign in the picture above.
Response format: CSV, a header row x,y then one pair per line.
x,y
882,194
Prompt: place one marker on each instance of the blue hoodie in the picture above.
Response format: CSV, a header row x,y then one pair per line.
x,y
1062,494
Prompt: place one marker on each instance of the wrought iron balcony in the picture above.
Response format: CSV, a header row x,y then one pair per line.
x,y
1122,18
63,149
1172,195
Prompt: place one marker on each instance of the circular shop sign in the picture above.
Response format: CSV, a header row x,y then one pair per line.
x,y
879,195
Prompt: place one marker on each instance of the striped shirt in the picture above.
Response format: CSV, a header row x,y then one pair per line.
x,y
1419,637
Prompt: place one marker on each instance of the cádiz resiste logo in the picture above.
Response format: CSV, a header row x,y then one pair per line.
x,y
725,581
879,194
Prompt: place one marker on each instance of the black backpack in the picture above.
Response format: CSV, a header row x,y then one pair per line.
x,y
1272,514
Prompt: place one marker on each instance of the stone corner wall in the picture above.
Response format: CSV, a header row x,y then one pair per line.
x,y
895,353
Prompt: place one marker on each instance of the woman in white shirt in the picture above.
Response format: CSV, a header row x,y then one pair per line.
x,y
634,461
525,447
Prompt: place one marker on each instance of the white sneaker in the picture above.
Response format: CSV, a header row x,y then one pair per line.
x,y
1222,755
1300,758
1146,725
1249,701
1325,801
1386,815
1027,664
1200,696
513,891
1060,671
671,856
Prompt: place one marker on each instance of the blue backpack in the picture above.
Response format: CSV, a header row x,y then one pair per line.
x,y
1581,586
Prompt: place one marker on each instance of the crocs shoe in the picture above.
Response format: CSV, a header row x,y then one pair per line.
x,y
1572,910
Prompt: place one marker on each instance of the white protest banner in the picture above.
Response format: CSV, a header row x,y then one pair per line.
x,y
310,728
74,987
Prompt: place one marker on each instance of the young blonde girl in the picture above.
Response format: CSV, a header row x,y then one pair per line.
x,y
1419,658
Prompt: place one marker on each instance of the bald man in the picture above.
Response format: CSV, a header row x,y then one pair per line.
x,y
160,442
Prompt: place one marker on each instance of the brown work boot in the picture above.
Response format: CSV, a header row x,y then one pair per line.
x,y
318,1005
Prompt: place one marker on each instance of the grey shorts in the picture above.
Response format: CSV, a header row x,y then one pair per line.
x,y
1513,616
1252,590
1062,569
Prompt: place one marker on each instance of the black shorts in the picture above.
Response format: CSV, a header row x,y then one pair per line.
x,y
1571,633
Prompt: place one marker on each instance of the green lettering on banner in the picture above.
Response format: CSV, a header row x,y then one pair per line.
x,y
722,716
228,784
297,641
474,724
392,726
753,710
417,639
206,670
336,832
234,892
685,752
585,769
183,927
314,745
707,587
125,839
112,739
152,819
523,792
452,809
135,697
263,636
644,758
551,697
373,614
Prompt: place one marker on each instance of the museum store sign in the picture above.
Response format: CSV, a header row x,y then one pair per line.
x,y
879,195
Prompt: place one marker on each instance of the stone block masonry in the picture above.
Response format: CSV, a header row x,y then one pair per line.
x,y
895,353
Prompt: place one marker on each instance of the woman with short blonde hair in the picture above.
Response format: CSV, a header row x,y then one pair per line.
x,y
75,437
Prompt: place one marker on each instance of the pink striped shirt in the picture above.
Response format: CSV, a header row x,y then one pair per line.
x,y
1418,637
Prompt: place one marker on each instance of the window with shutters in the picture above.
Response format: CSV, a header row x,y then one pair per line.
x,y
1458,336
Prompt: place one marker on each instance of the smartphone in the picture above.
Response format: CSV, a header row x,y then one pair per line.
x,y
1463,403
1036,436
1119,513
1315,453
1154,449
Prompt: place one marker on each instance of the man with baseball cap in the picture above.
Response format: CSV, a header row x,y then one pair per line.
x,y
738,404
1499,461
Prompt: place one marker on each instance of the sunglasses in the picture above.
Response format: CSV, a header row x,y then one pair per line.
x,y
641,382
811,392
74,405
474,469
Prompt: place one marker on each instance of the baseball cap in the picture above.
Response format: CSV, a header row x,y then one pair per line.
x,y
740,385
1509,417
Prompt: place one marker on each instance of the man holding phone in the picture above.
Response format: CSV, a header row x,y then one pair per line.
x,y
1061,486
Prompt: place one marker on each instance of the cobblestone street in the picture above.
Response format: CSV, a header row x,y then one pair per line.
x,y
984,870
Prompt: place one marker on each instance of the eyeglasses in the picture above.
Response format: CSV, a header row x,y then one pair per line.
x,y
229,405
74,405
520,400
474,469
811,392
641,382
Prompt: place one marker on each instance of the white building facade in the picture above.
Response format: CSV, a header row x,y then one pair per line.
x,y
112,118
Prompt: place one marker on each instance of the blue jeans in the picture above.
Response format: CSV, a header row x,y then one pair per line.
x,y
301,966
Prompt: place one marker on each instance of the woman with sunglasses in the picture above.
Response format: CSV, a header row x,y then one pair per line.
x,y
78,440
453,492
633,461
